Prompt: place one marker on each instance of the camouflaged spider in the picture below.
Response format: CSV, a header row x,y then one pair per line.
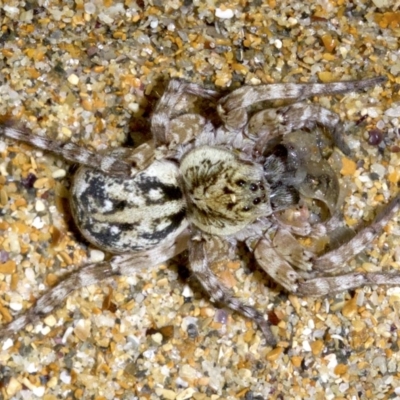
x,y
197,185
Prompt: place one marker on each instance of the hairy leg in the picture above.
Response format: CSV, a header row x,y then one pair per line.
x,y
312,283
123,265
118,162
328,285
304,284
332,261
270,123
199,265
249,95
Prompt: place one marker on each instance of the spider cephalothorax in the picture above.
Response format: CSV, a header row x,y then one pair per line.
x,y
197,184
224,193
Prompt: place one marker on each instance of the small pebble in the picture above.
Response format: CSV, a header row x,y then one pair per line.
x,y
65,377
221,316
13,387
14,242
7,268
192,331
187,292
7,344
157,338
317,346
38,223
186,394
393,111
274,354
50,320
59,173
350,308
96,255
73,79
306,345
375,137
90,8
39,205
348,167
16,306
378,169
224,14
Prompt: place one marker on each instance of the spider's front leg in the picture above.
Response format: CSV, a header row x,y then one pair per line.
x,y
314,283
199,263
249,95
331,262
270,123
123,265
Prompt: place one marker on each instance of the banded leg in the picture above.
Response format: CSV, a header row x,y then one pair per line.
x,y
123,162
109,162
305,284
270,123
249,95
328,285
231,108
91,274
199,265
332,261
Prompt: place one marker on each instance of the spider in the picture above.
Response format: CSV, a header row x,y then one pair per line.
x,y
201,183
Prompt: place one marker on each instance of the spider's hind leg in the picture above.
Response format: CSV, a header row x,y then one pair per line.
x,y
108,162
246,96
90,274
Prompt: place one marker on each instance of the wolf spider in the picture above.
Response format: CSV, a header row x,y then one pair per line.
x,y
199,185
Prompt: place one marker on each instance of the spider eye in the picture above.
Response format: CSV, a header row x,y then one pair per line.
x,y
256,200
240,182
246,208
253,187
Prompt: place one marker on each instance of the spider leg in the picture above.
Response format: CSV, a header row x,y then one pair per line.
x,y
199,265
309,283
270,123
166,107
249,95
122,265
276,266
125,162
305,284
332,261
231,108
327,285
291,250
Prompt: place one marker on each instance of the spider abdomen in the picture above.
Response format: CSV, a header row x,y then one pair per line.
x,y
125,214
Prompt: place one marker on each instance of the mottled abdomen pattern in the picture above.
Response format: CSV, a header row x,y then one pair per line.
x,y
123,214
